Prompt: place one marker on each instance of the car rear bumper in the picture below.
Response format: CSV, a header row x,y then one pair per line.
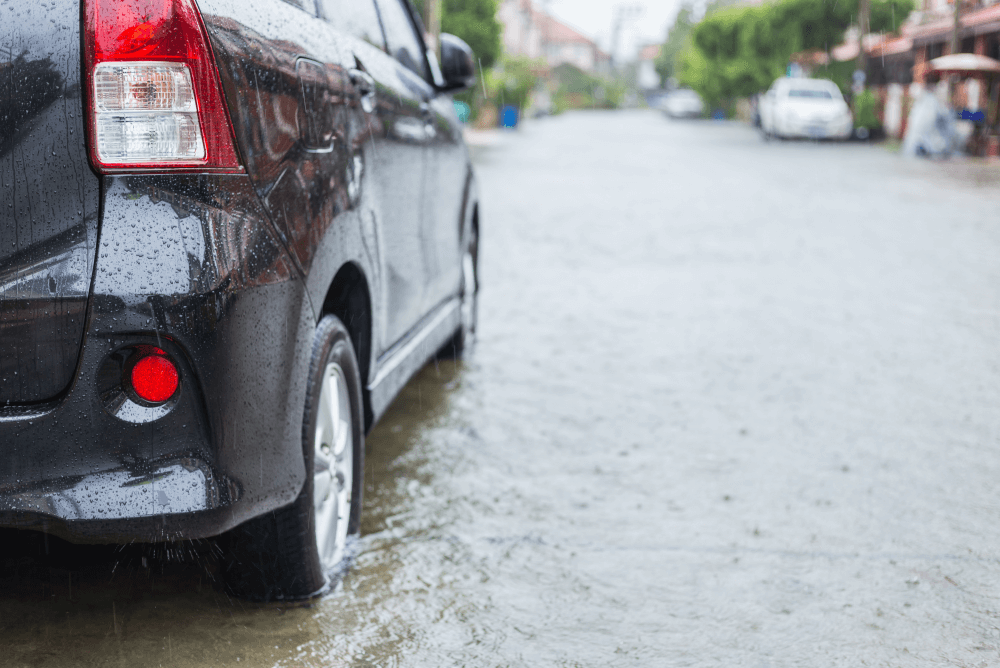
x,y
189,264
838,129
684,113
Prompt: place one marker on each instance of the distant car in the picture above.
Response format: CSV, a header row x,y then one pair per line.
x,y
682,103
808,108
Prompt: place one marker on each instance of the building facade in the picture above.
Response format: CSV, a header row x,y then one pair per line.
x,y
532,33
899,65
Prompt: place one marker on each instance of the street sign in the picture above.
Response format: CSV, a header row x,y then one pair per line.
x,y
859,77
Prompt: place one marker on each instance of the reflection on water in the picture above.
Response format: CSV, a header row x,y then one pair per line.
x,y
156,605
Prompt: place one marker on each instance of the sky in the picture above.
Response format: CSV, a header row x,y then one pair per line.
x,y
596,17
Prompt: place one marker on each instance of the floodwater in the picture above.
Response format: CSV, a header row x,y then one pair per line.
x,y
733,403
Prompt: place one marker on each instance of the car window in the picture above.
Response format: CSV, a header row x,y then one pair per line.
x,y
355,17
401,37
814,93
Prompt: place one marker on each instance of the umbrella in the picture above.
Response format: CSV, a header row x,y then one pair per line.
x,y
964,62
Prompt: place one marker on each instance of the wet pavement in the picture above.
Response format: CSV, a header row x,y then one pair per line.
x,y
733,403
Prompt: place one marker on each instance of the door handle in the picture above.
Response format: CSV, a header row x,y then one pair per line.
x,y
365,85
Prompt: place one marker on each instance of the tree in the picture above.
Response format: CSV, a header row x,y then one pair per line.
x,y
512,82
475,21
678,38
739,51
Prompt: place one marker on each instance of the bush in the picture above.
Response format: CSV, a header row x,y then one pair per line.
x,y
865,111
513,81
577,89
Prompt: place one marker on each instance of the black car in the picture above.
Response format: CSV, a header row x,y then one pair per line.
x,y
230,232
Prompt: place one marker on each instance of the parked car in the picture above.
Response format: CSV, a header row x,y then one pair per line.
x,y
230,232
683,103
810,108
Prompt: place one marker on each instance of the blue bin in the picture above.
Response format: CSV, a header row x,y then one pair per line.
x,y
509,115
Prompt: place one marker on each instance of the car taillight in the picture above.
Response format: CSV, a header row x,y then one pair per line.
x,y
154,97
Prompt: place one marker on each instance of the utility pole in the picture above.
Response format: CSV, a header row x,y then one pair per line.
x,y
546,22
432,20
954,47
623,13
954,27
861,66
864,27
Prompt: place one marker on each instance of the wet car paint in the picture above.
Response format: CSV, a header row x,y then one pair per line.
x,y
408,151
200,274
48,202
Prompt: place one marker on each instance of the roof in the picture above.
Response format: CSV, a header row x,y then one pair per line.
x,y
977,22
842,52
810,58
649,52
556,31
932,29
891,47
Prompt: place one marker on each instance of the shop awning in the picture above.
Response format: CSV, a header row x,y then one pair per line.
x,y
964,62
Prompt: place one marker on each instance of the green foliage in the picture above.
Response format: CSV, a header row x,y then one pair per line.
x,y
474,21
888,15
739,51
577,89
572,79
678,38
839,72
736,52
865,108
513,81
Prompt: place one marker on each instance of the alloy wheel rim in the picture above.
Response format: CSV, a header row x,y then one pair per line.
x,y
333,480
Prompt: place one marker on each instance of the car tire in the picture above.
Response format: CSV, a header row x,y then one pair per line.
x,y
297,551
465,336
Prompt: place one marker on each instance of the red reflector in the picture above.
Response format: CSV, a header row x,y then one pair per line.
x,y
155,379
143,33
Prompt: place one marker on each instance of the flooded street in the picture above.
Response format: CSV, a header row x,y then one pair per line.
x,y
733,403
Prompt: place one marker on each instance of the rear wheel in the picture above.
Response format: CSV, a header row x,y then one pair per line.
x,y
296,551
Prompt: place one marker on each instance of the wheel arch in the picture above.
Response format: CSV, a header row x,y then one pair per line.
x,y
349,298
470,207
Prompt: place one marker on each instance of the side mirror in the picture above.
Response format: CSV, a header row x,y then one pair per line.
x,y
457,64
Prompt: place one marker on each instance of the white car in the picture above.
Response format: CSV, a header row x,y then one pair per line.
x,y
812,108
681,103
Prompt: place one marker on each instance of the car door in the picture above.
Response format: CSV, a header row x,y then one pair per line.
x,y
447,170
445,158
389,139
